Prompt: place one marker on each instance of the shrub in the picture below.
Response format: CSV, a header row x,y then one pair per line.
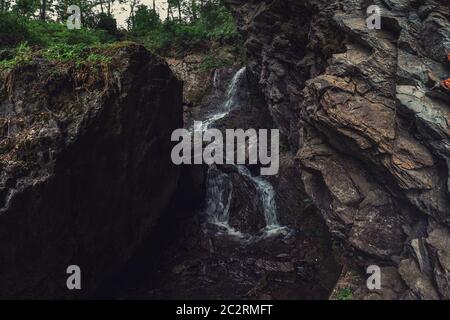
x,y
345,294
107,23
64,52
77,54
22,55
214,62
214,24
145,19
48,33
13,30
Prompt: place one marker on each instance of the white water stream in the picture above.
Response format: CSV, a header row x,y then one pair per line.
x,y
230,100
219,185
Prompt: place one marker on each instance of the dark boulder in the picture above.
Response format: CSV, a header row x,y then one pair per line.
x,y
85,167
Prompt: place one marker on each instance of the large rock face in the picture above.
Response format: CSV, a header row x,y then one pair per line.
x,y
365,113
85,168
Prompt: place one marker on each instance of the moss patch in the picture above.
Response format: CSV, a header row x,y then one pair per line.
x,y
345,294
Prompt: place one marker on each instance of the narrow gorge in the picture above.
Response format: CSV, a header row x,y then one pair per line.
x,y
87,177
236,242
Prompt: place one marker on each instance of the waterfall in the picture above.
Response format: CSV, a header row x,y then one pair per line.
x,y
219,192
219,185
230,100
266,194
232,90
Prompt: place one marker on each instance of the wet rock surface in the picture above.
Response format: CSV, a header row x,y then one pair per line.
x,y
367,116
224,250
85,168
195,259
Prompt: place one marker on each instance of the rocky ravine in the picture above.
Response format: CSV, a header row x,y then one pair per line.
x,y
368,121
85,168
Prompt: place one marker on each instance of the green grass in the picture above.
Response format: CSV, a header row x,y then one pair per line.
x,y
64,52
22,55
97,58
345,294
60,53
54,41
213,62
213,28
77,53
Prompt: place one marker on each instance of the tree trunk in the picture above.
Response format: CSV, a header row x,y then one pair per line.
x,y
194,10
133,4
43,12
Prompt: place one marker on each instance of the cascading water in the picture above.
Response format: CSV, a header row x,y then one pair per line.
x,y
219,192
233,89
230,100
202,256
219,185
266,194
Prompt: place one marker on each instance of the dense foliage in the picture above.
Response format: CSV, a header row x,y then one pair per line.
x,y
189,24
212,25
15,30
